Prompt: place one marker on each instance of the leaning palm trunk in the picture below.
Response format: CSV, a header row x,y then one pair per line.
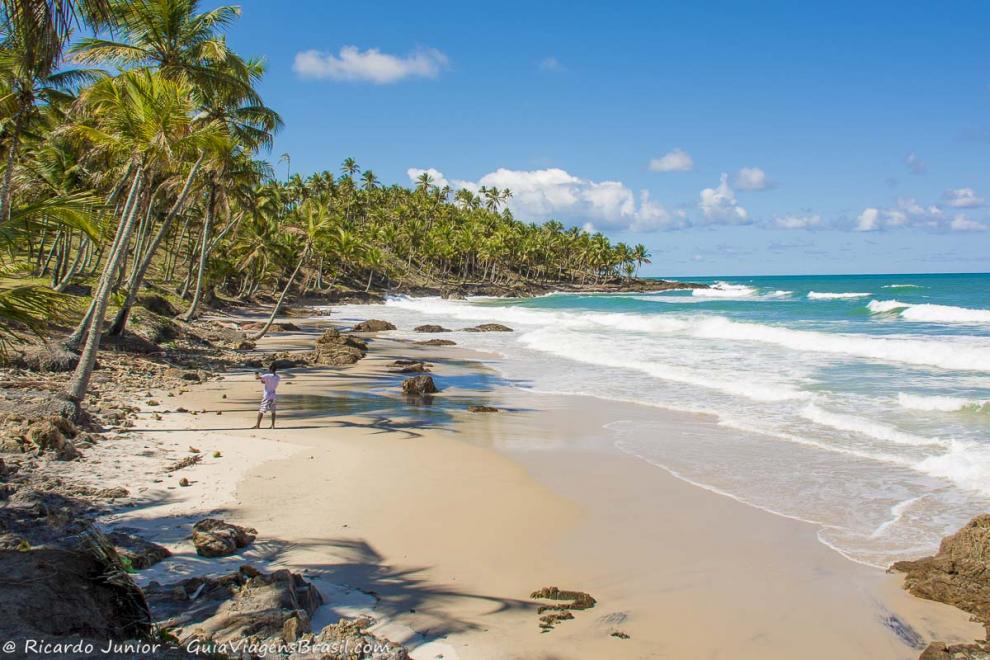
x,y
130,205
87,360
281,298
204,249
142,263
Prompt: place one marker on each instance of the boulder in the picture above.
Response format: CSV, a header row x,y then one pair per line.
x,y
958,574
373,325
216,538
437,342
139,552
419,386
431,328
489,327
248,604
51,435
336,349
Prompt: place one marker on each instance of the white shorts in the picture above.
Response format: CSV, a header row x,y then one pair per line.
x,y
267,405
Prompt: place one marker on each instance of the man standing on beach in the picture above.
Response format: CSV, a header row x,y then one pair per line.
x,y
270,382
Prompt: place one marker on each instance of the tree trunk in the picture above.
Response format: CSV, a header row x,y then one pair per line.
x,y
281,298
77,387
80,332
143,262
204,246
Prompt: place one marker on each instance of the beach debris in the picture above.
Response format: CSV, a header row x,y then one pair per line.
x,y
185,483
193,450
957,573
431,328
52,435
215,538
551,615
217,454
62,576
185,462
619,634
373,325
437,342
139,552
489,327
114,493
978,650
336,349
419,386
482,409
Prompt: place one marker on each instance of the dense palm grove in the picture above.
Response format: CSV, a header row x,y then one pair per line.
x,y
135,157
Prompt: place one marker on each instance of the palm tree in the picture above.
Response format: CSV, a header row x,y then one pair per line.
x,y
312,220
288,164
178,40
142,118
349,168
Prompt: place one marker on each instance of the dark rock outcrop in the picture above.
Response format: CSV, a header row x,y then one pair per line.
x,y
373,325
336,349
958,574
431,328
419,386
139,552
437,342
216,538
489,327
482,409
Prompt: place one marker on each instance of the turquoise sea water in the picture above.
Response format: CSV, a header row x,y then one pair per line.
x,y
858,403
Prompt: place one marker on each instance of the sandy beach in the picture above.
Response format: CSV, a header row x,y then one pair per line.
x,y
439,523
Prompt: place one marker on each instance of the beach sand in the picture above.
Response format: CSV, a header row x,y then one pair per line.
x,y
440,523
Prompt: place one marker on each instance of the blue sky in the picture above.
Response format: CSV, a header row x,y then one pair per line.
x,y
864,128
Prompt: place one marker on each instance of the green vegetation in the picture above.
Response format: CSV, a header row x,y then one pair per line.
x,y
148,167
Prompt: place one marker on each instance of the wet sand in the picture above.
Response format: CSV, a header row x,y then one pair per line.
x,y
440,522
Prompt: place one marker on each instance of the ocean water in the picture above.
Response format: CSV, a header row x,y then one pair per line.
x,y
858,403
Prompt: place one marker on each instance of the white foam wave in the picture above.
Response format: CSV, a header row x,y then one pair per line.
x,y
963,353
902,286
590,349
928,313
965,463
941,403
725,290
865,427
815,295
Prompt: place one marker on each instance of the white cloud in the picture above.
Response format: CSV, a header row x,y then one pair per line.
x,y
962,223
794,221
909,213
868,220
555,193
752,178
370,65
676,160
718,205
550,64
914,164
439,179
962,198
